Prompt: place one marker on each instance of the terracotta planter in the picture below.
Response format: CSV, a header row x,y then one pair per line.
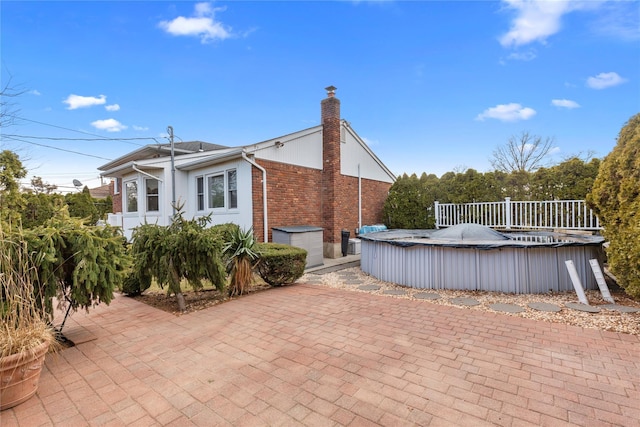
x,y
19,375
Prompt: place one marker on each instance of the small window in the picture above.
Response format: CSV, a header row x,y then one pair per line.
x,y
131,190
116,186
216,191
200,192
232,185
152,195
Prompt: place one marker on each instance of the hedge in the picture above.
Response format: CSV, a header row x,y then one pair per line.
x,y
280,264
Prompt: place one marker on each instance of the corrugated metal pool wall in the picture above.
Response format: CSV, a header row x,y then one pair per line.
x,y
511,270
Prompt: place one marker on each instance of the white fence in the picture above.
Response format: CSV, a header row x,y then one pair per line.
x,y
556,214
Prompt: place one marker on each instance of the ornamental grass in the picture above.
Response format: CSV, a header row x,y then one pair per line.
x,y
24,324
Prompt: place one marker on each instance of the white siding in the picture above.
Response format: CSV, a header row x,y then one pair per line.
x,y
301,149
353,153
134,219
186,195
243,215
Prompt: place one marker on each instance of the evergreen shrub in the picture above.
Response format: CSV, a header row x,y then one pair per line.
x,y
79,265
280,264
616,200
184,250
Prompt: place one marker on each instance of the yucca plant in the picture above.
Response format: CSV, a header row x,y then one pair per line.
x,y
241,252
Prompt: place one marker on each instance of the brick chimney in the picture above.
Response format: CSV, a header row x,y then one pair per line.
x,y
330,115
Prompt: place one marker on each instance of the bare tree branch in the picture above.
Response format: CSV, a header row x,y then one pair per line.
x,y
8,110
522,153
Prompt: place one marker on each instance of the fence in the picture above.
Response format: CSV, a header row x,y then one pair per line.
x,y
556,214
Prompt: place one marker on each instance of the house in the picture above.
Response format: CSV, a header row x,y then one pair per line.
x,y
324,176
101,192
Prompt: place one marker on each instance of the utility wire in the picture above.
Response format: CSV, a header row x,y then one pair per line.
x,y
79,131
51,138
59,149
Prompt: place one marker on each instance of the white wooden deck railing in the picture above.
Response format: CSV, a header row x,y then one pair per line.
x,y
556,214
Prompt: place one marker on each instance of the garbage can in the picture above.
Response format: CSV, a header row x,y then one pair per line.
x,y
345,241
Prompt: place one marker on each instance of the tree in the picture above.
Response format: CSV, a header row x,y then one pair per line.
x,y
570,180
522,153
81,205
40,208
616,200
8,110
183,250
11,200
79,265
41,187
408,202
103,206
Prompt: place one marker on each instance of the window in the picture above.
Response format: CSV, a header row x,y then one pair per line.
x,y
216,191
221,191
131,191
232,186
116,186
152,195
200,192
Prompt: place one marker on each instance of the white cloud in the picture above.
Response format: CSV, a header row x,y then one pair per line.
x,y
140,128
565,103
35,92
507,113
202,25
112,107
523,56
618,19
77,101
605,80
110,125
536,20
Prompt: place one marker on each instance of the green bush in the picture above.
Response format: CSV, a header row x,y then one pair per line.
x,y
131,285
184,250
616,200
280,264
78,264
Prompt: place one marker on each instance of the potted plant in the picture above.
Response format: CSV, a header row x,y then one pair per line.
x,y
25,335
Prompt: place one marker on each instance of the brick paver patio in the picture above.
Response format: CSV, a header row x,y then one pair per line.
x,y
316,356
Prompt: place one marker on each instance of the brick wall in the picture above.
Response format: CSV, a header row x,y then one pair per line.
x,y
117,198
374,193
332,189
339,192
293,196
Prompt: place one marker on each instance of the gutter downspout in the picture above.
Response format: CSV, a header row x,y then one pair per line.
x,y
359,199
264,194
173,171
144,173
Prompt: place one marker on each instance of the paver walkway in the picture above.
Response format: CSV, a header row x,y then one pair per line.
x,y
316,356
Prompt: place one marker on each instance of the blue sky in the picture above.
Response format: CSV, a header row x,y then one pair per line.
x,y
431,86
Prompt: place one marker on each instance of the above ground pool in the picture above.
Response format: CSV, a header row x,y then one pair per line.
x,y
474,257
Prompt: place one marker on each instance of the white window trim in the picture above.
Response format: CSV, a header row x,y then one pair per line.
x,y
207,192
146,196
204,194
125,197
227,189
